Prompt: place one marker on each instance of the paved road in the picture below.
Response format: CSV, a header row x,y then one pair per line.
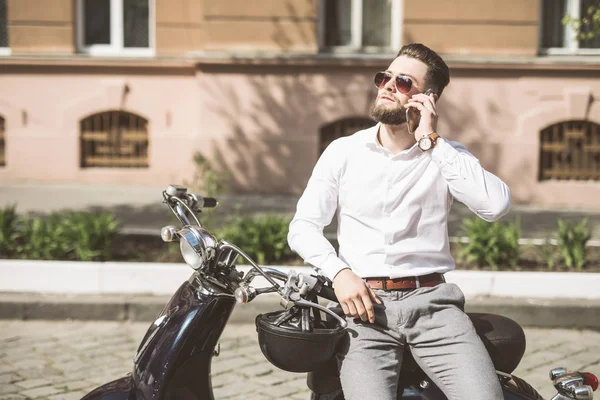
x,y
62,360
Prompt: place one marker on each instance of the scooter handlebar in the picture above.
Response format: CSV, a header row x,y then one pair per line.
x,y
328,293
210,202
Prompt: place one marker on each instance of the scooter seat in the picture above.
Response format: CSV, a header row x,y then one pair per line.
x,y
503,338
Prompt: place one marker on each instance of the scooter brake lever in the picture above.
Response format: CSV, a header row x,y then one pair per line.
x,y
306,303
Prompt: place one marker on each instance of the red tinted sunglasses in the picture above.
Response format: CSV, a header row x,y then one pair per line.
x,y
403,83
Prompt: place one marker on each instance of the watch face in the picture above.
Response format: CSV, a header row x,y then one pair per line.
x,y
425,143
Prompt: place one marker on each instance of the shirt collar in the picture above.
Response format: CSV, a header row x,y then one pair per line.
x,y
373,143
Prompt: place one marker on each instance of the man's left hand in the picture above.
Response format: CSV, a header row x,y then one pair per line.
x,y
426,106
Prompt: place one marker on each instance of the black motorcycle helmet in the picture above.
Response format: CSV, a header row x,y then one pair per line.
x,y
295,341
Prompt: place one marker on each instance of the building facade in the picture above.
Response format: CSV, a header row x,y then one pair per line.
x,y
128,91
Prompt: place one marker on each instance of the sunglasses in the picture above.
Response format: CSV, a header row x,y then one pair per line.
x,y
403,83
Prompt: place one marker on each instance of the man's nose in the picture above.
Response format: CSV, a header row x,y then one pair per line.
x,y
390,85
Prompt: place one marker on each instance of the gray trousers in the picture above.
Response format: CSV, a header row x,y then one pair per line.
x,y
441,337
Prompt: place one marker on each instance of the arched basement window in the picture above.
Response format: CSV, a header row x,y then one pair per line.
x,y
570,150
340,128
114,139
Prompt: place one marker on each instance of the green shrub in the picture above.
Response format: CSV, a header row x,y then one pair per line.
x,y
207,180
9,224
60,236
91,234
264,238
572,240
42,239
548,252
488,243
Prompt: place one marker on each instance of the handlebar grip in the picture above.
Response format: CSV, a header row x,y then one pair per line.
x,y
328,293
210,202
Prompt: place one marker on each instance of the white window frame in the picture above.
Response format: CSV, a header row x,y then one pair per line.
x,y
570,39
116,47
356,28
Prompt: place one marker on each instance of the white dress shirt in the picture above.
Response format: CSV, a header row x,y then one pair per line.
x,y
392,209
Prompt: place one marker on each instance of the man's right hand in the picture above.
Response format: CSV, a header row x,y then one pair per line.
x,y
355,296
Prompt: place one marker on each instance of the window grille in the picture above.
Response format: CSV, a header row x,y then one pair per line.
x,y
344,127
2,144
570,151
114,139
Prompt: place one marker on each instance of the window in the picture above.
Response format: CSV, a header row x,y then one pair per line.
x,y
341,128
570,151
557,38
116,27
114,139
4,49
361,25
2,144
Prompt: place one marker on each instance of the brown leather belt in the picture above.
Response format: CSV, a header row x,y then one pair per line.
x,y
411,282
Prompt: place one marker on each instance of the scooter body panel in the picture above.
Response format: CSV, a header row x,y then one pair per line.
x,y
173,360
120,389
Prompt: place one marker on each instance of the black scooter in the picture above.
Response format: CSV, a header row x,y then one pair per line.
x,y
173,360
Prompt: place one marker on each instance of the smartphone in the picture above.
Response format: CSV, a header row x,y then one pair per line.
x,y
413,116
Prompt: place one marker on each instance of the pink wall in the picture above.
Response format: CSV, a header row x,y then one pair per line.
x,y
262,122
43,145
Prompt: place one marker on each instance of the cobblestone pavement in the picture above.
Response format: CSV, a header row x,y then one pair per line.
x,y
63,360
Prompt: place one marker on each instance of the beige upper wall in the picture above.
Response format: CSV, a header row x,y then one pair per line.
x,y
267,25
261,8
486,27
40,27
182,26
179,26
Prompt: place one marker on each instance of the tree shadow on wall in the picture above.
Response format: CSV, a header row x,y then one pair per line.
x,y
272,139
274,114
281,35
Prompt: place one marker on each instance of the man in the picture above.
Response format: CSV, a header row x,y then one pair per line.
x,y
392,189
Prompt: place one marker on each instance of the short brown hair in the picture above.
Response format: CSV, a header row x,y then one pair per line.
x,y
438,74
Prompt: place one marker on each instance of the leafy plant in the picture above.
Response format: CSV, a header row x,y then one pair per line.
x,y
588,26
264,238
207,179
492,243
91,234
548,252
572,240
9,225
42,239
61,236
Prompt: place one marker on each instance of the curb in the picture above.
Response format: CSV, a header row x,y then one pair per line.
x,y
553,313
163,279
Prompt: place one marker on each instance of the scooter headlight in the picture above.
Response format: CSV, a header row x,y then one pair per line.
x,y
197,246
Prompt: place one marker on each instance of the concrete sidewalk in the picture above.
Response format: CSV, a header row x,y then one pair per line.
x,y
141,210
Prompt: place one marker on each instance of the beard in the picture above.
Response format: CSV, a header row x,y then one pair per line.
x,y
393,116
